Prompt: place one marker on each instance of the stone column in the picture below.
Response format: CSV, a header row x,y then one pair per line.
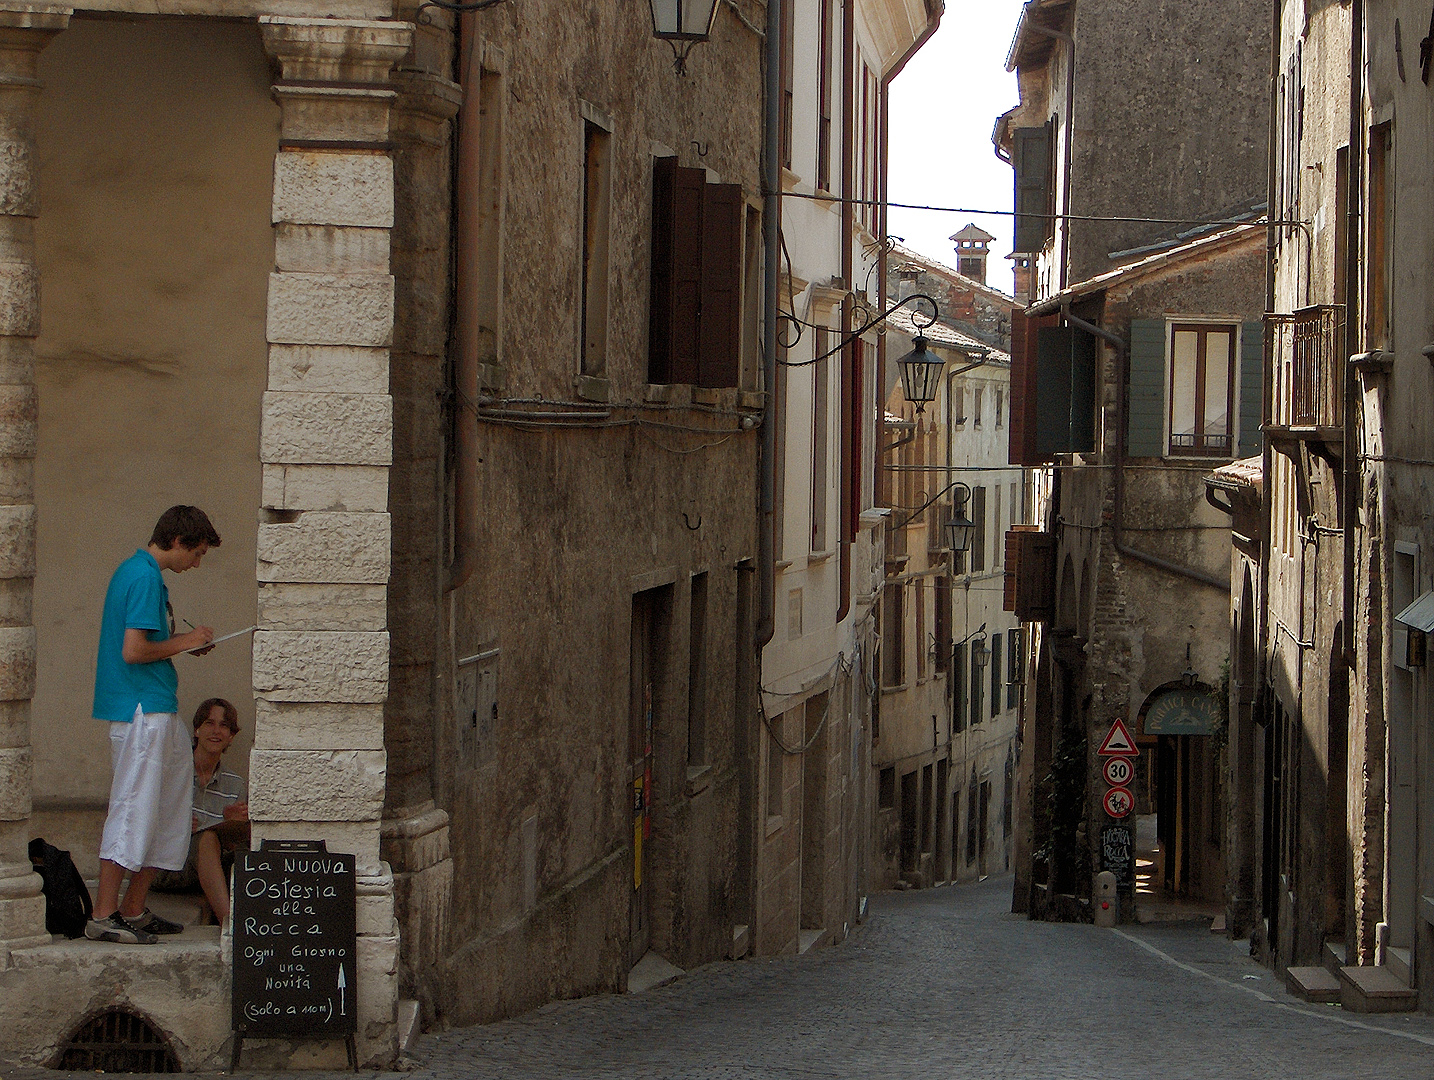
x,y
321,654
415,830
24,31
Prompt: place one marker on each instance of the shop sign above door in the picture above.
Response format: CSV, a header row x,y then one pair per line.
x,y
1183,712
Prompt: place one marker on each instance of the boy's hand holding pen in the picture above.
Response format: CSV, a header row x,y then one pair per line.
x,y
202,636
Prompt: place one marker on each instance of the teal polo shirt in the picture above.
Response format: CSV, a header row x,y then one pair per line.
x,y
137,599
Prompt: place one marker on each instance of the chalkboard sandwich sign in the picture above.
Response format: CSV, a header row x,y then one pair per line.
x,y
295,934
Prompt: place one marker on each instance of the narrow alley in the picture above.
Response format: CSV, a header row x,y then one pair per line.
x,y
946,982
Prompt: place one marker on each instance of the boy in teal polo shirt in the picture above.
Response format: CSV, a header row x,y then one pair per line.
x,y
136,690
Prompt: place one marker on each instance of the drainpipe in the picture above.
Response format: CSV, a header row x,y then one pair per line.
x,y
1133,553
1353,337
1267,391
772,259
465,360
851,398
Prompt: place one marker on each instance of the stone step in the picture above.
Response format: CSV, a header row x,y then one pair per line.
x,y
1312,984
741,941
1374,990
1333,957
812,939
1399,964
651,971
180,984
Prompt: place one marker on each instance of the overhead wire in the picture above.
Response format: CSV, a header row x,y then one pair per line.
x,y
1244,222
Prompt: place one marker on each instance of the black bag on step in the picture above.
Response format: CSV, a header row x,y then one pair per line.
x,y
67,901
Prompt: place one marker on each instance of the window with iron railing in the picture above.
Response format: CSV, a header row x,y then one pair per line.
x,y
1309,366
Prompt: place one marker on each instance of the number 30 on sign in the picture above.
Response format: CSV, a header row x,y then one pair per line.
x,y
1118,771
1119,802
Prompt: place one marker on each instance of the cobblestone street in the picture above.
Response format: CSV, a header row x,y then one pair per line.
x,y
947,983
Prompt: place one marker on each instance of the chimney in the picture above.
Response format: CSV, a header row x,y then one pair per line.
x,y
972,247
1021,267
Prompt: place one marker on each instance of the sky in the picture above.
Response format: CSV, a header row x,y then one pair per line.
x,y
943,107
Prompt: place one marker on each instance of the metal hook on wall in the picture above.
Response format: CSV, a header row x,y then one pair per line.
x,y
688,522
701,150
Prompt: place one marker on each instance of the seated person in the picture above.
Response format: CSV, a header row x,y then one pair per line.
x,y
220,812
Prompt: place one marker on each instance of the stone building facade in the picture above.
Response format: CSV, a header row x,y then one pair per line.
x,y
249,240
812,863
1134,369
944,757
1197,80
1334,839
572,658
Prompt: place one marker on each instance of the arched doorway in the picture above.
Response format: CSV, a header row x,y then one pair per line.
x,y
1181,724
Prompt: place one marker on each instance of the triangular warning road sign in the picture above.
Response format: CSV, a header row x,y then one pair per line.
x,y
1118,742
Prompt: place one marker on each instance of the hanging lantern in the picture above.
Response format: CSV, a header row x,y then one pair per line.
x,y
682,24
921,373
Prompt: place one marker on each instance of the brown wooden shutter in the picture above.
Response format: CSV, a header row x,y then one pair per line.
x,y
850,431
720,329
1024,429
659,311
1030,573
1013,567
689,186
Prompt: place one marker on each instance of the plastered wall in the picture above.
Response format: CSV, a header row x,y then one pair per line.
x,y
156,141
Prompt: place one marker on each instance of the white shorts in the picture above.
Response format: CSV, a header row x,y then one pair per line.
x,y
152,792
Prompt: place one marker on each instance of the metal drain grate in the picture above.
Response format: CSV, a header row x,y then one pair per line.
x,y
117,1041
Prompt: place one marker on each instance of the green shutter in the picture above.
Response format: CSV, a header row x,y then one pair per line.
x,y
1083,379
1031,162
1252,371
1053,390
1146,416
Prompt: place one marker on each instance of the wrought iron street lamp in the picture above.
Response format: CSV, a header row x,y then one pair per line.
x,y
980,653
682,24
921,373
958,531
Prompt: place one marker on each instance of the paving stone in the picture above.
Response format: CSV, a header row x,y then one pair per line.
x,y
945,983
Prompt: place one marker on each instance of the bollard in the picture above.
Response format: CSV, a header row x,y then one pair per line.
x,y
1107,903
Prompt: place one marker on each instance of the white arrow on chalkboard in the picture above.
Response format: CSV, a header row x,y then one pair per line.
x,y
342,984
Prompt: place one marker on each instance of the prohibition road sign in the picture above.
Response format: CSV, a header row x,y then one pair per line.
x,y
1119,802
1118,771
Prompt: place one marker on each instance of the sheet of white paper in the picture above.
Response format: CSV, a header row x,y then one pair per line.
x,y
226,637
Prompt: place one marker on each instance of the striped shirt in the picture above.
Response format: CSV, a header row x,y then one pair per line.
x,y
224,789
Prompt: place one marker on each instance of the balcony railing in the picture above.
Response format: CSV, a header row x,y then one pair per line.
x,y
1309,364
1203,445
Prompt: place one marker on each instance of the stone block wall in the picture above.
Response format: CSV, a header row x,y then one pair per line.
x,y
321,653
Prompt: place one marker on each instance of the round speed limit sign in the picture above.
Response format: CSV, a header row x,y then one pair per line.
x,y
1118,771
